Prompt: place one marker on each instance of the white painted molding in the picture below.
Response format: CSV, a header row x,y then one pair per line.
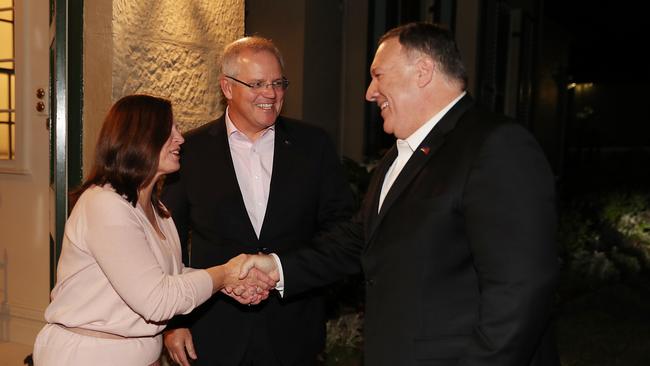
x,y
26,312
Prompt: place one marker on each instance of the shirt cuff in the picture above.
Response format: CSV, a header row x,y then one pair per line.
x,y
280,284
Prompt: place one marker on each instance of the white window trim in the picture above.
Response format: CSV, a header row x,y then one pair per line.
x,y
25,97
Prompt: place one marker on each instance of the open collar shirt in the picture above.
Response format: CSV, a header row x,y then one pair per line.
x,y
253,162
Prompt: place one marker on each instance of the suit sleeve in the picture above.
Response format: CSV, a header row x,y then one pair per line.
x,y
335,199
332,255
509,207
334,252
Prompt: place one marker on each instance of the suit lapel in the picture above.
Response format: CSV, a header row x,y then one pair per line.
x,y
374,189
428,148
222,160
282,166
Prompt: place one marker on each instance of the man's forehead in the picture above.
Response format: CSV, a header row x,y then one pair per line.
x,y
256,62
252,55
389,45
387,51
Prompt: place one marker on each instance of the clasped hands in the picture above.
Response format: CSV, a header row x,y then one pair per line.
x,y
250,278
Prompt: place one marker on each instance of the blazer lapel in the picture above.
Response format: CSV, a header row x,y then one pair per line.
x,y
282,166
222,160
429,146
374,190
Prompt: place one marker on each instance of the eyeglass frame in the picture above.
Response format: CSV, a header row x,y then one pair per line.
x,y
258,86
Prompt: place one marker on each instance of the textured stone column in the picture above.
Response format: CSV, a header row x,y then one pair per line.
x,y
171,48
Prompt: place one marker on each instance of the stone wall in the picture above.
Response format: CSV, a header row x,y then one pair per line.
x,y
171,48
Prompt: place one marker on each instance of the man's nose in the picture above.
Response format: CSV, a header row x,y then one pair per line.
x,y
371,92
269,91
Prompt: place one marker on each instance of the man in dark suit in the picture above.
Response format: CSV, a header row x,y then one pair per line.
x,y
253,181
456,236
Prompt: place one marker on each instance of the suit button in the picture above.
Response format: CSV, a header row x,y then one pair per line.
x,y
370,282
264,250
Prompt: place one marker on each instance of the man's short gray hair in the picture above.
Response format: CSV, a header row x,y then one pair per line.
x,y
253,43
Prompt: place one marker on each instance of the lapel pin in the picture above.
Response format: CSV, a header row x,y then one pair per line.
x,y
425,150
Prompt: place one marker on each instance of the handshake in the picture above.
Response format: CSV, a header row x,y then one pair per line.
x,y
249,278
246,278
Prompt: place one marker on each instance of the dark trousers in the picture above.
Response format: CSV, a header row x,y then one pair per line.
x,y
260,351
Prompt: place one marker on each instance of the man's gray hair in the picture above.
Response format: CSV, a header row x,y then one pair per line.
x,y
256,44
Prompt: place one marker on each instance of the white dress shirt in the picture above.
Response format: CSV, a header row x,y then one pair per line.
x,y
253,162
404,152
406,147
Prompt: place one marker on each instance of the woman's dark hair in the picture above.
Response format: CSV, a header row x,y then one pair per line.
x,y
128,148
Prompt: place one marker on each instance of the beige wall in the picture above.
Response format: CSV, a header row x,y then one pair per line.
x,y
24,201
97,72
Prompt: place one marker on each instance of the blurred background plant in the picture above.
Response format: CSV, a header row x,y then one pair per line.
x,y
345,299
603,307
344,340
605,239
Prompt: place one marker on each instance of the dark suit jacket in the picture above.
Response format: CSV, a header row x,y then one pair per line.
x,y
460,262
308,193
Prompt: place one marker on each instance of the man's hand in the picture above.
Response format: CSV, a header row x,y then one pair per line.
x,y
251,288
177,341
263,263
250,294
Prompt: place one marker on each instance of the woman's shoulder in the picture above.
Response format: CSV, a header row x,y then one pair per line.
x,y
102,196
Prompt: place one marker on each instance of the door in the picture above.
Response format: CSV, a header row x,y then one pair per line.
x,y
65,125
24,250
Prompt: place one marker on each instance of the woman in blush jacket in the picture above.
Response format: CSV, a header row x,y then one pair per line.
x,y
120,275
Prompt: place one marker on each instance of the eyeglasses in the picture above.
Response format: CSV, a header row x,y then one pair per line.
x,y
258,86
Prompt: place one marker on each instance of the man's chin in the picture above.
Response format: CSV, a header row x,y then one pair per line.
x,y
264,116
388,129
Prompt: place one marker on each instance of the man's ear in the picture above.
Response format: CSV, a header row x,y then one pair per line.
x,y
226,88
425,69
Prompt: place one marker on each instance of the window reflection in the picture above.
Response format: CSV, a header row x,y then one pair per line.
x,y
7,82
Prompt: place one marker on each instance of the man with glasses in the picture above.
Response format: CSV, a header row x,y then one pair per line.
x,y
253,181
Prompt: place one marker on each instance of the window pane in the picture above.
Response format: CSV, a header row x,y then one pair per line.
x,y
4,91
12,101
4,141
6,41
13,141
6,14
6,3
7,81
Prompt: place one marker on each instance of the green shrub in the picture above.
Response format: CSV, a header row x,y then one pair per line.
x,y
605,238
